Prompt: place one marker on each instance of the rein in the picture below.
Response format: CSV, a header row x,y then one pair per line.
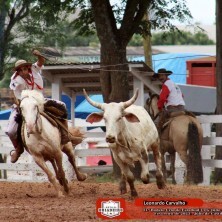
x,y
38,117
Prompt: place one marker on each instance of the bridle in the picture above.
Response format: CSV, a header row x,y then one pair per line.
x,y
39,129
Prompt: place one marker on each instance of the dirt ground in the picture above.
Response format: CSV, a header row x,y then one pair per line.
x,y
38,202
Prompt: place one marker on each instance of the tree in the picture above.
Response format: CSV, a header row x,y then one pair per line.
x,y
115,25
26,24
181,38
218,154
11,12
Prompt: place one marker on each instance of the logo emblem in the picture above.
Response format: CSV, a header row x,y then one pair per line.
x,y
110,208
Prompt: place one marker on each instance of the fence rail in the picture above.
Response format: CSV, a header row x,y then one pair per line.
x,y
82,152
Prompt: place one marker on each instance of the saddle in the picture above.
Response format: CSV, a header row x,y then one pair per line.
x,y
58,110
57,116
167,119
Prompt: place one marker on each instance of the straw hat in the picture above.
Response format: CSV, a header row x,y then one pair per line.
x,y
21,63
163,71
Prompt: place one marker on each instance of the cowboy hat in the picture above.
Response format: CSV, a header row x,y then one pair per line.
x,y
163,71
21,63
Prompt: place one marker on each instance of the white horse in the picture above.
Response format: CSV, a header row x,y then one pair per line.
x,y
43,141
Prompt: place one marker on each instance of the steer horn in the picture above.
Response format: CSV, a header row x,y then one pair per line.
x,y
93,103
132,100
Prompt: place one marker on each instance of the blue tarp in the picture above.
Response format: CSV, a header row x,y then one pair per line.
x,y
84,108
4,115
176,62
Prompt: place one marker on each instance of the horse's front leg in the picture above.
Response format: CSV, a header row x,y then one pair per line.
x,y
61,173
157,158
163,163
172,166
68,150
41,163
56,172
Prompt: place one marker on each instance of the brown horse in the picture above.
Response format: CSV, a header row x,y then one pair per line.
x,y
182,134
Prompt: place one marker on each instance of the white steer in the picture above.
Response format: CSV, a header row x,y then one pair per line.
x,y
130,133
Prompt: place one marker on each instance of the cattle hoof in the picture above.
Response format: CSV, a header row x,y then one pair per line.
x,y
123,191
161,184
146,181
134,194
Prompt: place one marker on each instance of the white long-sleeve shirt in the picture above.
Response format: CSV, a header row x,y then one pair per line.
x,y
18,84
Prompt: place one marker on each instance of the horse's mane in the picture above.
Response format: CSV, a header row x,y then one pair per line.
x,y
153,96
36,95
148,101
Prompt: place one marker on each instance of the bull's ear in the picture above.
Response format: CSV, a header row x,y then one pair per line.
x,y
131,117
94,117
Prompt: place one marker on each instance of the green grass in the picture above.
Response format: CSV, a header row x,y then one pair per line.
x,y
102,178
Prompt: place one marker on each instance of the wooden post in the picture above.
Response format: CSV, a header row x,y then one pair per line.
x,y
179,170
205,154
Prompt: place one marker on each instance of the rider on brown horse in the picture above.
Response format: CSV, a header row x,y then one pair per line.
x,y
170,99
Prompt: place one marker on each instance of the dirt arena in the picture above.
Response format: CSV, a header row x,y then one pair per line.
x,y
38,202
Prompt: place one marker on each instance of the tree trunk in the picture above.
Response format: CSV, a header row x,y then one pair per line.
x,y
3,14
147,45
114,74
114,68
114,80
218,155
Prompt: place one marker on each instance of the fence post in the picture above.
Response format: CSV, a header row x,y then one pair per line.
x,y
179,170
206,154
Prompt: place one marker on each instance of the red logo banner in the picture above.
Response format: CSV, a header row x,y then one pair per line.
x,y
158,208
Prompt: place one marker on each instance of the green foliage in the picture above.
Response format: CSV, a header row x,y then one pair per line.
x,y
137,40
174,38
102,178
181,38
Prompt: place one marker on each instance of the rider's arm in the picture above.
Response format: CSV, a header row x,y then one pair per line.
x,y
41,60
163,97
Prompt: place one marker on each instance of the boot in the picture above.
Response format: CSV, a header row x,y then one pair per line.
x,y
64,132
15,154
162,120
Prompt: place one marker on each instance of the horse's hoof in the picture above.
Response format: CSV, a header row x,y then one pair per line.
x,y
174,182
60,194
82,177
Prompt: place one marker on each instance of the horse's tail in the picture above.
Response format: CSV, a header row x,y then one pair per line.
x,y
194,165
76,136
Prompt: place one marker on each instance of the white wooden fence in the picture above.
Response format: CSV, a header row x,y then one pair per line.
x,y
26,169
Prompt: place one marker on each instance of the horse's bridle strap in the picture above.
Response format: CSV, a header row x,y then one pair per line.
x,y
54,123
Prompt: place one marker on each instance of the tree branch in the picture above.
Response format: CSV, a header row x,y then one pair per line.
x,y
104,19
134,13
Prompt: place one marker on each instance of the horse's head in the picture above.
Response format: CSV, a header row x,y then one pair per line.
x,y
32,103
151,106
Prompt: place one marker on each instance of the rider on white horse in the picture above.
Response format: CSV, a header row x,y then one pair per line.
x,y
26,76
170,98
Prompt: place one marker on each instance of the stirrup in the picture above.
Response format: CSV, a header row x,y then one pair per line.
x,y
11,152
